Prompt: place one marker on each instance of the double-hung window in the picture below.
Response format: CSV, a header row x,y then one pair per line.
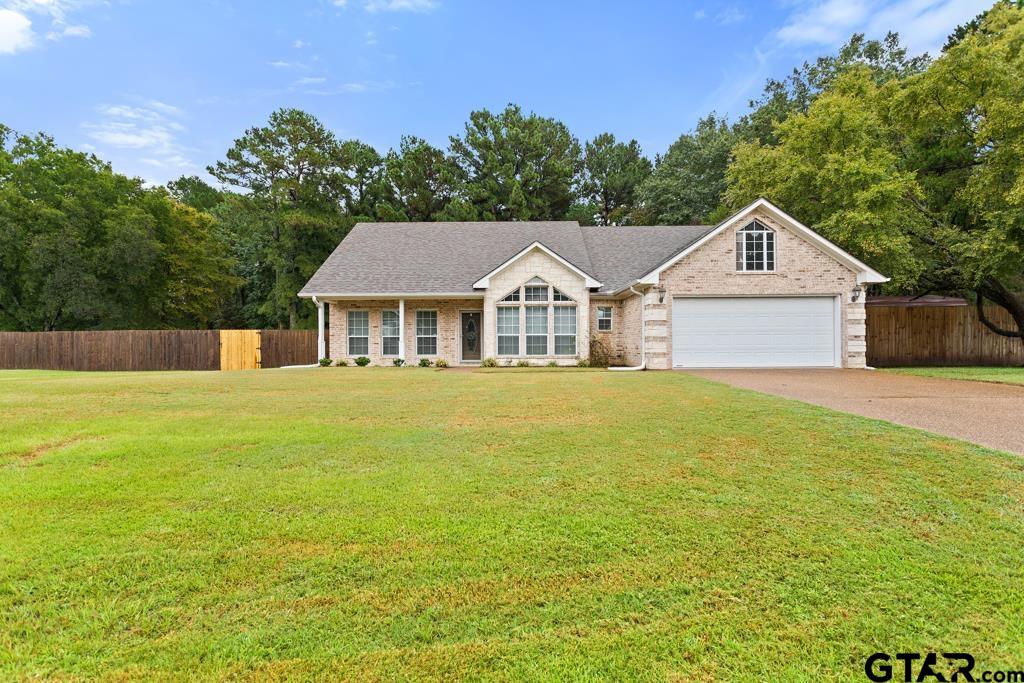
x,y
358,333
565,330
536,330
755,248
389,333
508,330
604,318
426,333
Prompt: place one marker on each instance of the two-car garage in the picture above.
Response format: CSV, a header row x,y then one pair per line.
x,y
754,332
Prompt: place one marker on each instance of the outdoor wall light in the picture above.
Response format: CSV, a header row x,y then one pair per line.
x,y
855,294
661,295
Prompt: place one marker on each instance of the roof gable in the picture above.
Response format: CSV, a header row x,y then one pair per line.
x,y
865,274
485,281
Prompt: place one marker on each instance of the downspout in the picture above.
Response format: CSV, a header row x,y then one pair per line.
x,y
643,338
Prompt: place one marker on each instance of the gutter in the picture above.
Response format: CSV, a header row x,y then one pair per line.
x,y
643,339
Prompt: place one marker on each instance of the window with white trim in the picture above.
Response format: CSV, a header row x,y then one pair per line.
x,y
511,296
536,330
755,248
508,330
389,333
358,333
604,318
536,292
426,333
565,330
556,295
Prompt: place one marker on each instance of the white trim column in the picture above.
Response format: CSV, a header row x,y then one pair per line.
x,y
401,329
321,343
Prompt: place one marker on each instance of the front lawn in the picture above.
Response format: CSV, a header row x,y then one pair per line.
x,y
977,374
381,523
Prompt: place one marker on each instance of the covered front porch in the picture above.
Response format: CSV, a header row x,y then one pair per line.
x,y
406,328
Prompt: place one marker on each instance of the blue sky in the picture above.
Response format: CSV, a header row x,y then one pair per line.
x,y
161,88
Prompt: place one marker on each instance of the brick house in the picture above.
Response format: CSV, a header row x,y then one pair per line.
x,y
759,289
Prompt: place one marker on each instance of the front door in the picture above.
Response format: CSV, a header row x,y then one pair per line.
x,y
471,336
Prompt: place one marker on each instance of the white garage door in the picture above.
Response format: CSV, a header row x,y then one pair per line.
x,y
754,332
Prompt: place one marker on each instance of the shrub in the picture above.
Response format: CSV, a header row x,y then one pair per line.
x,y
552,364
523,363
489,363
600,355
509,362
341,363
362,361
399,362
425,363
441,363
325,362
583,362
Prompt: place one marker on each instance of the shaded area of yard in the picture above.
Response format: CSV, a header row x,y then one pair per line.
x,y
977,374
379,523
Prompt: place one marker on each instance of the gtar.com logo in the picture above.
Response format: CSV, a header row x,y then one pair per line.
x,y
918,667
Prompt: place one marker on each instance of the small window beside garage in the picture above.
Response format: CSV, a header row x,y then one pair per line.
x,y
604,318
755,248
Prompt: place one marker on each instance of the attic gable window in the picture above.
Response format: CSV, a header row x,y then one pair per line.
x,y
755,248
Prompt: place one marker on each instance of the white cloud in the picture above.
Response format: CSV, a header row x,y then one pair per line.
x,y
284,64
76,31
151,128
371,37
339,3
730,15
400,5
353,88
15,24
299,44
15,32
310,80
700,14
922,24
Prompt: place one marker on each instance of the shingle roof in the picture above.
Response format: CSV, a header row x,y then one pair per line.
x,y
447,258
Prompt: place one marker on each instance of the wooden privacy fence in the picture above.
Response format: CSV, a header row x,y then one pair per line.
x,y
157,349
939,335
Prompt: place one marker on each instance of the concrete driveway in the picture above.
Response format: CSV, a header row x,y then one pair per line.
x,y
987,414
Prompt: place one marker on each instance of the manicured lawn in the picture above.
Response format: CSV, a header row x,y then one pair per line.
x,y
403,523
980,374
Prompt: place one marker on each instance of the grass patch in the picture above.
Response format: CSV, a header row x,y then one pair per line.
x,y
976,374
381,524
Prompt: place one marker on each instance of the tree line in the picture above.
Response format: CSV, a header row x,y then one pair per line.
x,y
912,164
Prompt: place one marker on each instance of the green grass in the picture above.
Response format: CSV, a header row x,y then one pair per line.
x,y
978,374
403,523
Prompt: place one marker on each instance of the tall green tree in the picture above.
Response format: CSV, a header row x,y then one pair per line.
x,y
82,247
516,166
922,176
298,173
195,192
612,173
421,182
687,184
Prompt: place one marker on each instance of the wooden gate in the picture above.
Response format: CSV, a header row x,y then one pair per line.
x,y
239,349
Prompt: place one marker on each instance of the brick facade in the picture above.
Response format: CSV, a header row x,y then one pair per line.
x,y
800,269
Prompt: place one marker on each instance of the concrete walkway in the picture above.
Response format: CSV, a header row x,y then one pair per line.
x,y
987,414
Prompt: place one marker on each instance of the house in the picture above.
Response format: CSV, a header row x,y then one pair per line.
x,y
759,289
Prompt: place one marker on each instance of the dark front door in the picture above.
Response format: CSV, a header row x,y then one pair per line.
x,y
471,336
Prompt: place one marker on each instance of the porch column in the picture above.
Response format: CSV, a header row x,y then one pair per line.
x,y
321,343
401,329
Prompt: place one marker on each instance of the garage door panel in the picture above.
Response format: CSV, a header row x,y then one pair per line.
x,y
754,332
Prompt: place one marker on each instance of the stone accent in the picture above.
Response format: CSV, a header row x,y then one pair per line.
x,y
800,269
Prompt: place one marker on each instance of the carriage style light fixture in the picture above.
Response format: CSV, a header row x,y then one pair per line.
x,y
855,294
661,295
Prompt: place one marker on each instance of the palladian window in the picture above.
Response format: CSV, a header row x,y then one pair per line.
x,y
536,320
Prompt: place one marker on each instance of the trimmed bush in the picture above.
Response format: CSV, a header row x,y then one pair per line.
x,y
441,363
326,362
523,363
425,363
398,362
583,363
552,364
341,363
362,361
489,363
